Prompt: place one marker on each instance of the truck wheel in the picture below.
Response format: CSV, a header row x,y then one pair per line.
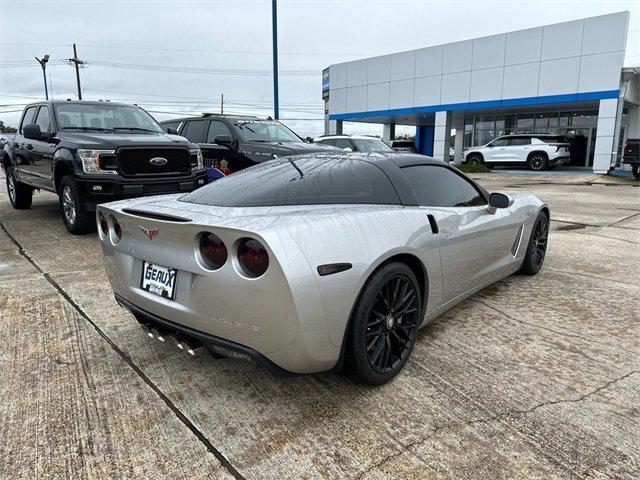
x,y
636,171
75,215
20,195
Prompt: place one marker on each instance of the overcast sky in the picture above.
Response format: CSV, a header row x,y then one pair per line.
x,y
223,47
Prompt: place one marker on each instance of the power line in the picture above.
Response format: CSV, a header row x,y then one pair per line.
x,y
190,50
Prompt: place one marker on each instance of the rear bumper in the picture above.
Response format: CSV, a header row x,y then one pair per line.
x,y
205,337
562,160
280,316
97,189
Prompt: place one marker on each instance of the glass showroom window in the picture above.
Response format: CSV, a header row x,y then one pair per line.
x,y
546,123
468,132
485,130
505,124
525,123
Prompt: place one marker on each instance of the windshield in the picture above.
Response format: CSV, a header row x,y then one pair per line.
x,y
371,145
105,118
264,131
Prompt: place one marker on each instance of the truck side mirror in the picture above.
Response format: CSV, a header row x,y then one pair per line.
x,y
172,131
32,132
224,140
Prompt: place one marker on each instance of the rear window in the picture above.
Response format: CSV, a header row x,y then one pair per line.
x,y
300,181
554,139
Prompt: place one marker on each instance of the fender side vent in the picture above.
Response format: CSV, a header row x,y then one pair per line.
x,y
433,224
155,216
516,243
331,268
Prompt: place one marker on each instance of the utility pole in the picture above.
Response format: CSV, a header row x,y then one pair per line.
x,y
77,64
274,20
43,64
222,104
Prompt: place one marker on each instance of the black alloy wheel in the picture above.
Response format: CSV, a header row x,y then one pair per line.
x,y
537,248
385,323
537,162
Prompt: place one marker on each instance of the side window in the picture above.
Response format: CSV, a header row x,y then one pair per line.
x,y
441,187
194,131
500,142
217,129
328,141
171,125
520,141
28,117
343,143
43,120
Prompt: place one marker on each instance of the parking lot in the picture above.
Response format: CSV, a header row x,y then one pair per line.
x,y
535,377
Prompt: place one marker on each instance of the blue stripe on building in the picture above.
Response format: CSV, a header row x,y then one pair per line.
x,y
510,102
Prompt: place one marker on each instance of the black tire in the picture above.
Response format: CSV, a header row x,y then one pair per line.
x,y
635,169
538,162
537,246
72,206
474,159
380,340
20,195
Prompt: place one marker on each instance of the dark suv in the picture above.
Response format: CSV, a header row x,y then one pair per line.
x,y
230,142
93,152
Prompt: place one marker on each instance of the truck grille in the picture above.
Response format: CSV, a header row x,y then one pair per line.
x,y
137,161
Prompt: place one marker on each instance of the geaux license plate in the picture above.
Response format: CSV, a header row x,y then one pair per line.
x,y
158,280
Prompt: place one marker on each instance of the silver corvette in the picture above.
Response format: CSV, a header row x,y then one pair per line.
x,y
317,262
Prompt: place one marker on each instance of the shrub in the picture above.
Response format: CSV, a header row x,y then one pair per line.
x,y
471,168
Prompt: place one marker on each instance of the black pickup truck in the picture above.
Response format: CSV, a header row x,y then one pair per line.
x,y
631,155
231,143
93,152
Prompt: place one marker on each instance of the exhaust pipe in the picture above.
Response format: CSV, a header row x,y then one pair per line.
x,y
190,345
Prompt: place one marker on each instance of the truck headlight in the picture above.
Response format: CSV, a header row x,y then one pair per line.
x,y
198,153
91,160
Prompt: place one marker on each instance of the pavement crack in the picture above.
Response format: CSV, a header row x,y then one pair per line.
x,y
623,219
547,329
129,361
497,417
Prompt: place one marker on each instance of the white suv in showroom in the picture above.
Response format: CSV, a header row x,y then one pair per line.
x,y
535,151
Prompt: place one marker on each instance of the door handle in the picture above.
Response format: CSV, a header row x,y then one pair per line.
x,y
433,224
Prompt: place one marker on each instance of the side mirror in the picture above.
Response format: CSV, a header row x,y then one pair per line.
x,y
499,200
172,131
32,132
348,149
490,145
224,140
309,139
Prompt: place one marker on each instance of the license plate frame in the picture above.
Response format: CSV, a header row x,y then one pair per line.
x,y
159,280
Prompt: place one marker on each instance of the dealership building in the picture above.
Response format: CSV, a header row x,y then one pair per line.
x,y
565,79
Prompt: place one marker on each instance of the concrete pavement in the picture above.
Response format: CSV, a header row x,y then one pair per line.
x,y
534,377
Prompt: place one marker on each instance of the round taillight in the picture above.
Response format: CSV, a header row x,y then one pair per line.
x,y
253,257
117,229
104,225
213,250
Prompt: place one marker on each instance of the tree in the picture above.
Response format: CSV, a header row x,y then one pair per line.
x,y
6,129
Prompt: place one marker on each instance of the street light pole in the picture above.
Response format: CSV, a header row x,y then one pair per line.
x,y
274,20
43,64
